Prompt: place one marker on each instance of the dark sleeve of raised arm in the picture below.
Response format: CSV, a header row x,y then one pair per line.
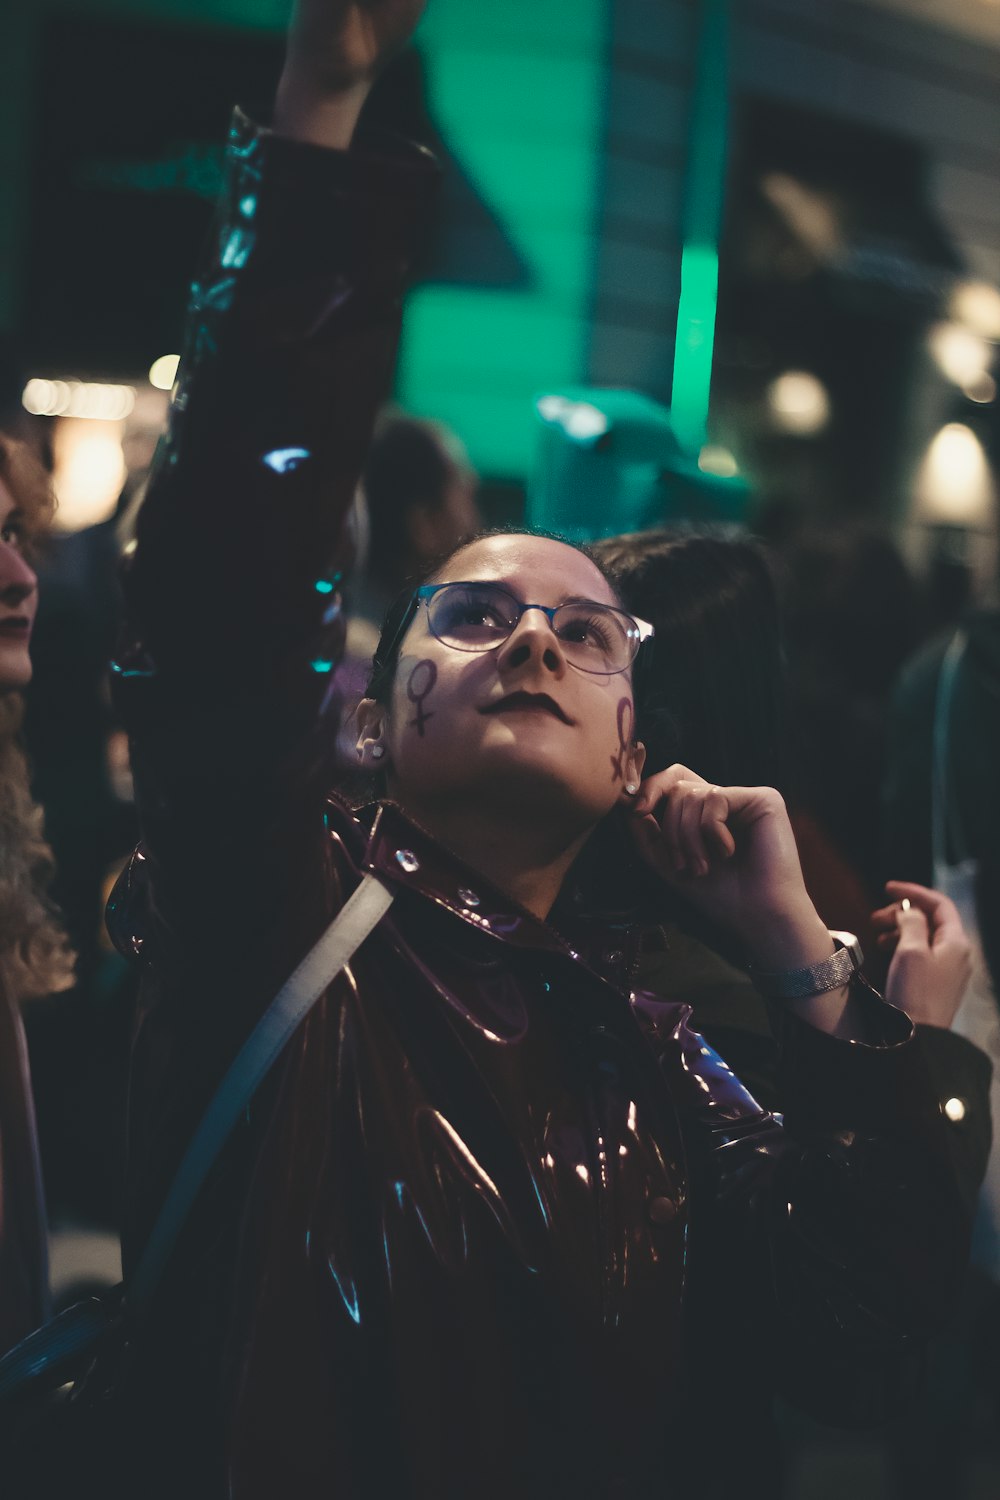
x,y
828,1244
233,591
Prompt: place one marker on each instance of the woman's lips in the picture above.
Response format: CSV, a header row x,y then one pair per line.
x,y
17,629
530,703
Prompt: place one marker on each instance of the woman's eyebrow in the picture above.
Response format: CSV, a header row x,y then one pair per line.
x,y
586,599
513,587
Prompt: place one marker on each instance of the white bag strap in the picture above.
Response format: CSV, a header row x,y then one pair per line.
x,y
944,812
345,934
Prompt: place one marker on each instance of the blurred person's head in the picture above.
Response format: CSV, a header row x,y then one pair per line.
x,y
420,492
712,694
851,609
480,710
34,956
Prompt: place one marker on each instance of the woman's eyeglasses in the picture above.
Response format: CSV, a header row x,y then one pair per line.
x,y
481,616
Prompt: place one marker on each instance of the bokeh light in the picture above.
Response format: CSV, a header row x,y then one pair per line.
x,y
163,371
799,403
955,484
93,400
89,471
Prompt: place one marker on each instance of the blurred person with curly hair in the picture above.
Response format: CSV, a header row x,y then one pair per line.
x,y
35,958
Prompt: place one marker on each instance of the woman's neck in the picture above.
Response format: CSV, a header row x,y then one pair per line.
x,y
527,860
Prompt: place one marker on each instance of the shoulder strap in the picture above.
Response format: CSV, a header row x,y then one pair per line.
x,y
944,812
291,1004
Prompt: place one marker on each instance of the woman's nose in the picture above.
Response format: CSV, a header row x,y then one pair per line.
x,y
533,639
17,580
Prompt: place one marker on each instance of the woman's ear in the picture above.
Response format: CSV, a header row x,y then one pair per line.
x,y
635,759
371,746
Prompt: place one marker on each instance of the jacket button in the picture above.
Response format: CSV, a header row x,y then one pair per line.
x,y
467,897
407,860
661,1210
954,1110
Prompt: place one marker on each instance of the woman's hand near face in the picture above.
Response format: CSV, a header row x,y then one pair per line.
x,y
732,853
336,48
932,960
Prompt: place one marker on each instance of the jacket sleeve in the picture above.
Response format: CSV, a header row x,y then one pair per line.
x,y
234,589
834,1238
961,1074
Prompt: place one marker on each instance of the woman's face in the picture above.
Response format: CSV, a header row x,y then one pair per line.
x,y
18,598
517,726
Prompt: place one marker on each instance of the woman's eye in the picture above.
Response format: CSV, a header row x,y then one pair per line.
x,y
475,614
587,630
467,614
11,533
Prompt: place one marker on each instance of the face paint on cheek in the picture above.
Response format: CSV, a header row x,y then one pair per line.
x,y
624,735
419,686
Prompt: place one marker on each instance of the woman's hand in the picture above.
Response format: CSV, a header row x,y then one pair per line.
x,y
731,851
336,48
933,957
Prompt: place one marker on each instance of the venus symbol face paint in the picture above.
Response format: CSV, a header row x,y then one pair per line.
x,y
419,686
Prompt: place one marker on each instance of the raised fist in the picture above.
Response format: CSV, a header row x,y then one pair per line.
x,y
340,45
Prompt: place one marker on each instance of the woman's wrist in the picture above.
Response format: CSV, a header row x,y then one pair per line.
x,y
320,117
790,943
782,942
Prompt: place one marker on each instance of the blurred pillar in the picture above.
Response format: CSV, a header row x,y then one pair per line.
x,y
701,221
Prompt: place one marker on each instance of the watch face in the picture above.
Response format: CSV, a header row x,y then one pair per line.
x,y
848,941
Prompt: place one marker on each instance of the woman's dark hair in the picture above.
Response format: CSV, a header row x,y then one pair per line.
x,y
403,607
713,696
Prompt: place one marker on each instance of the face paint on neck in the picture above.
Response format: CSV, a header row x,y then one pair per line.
x,y
624,736
419,686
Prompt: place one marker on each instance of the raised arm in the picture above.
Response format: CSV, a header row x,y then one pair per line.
x,y
335,50
233,592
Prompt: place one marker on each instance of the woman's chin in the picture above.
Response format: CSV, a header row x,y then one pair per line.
x,y
15,668
539,777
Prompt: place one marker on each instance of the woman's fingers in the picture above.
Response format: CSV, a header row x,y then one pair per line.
x,y
940,910
655,788
920,895
651,845
689,814
699,822
914,930
690,840
714,811
885,918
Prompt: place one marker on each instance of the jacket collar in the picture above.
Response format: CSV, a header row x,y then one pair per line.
x,y
407,857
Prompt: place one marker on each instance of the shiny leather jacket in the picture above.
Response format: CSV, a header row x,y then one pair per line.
x,y
495,1226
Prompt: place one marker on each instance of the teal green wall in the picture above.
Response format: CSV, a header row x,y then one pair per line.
x,y
517,91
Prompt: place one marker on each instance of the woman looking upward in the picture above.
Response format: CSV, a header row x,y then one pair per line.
x,y
476,1220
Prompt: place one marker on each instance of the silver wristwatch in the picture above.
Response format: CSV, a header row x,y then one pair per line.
x,y
798,984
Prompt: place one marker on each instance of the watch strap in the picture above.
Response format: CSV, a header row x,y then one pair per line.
x,y
815,979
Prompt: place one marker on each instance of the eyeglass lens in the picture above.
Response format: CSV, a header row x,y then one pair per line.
x,y
473,617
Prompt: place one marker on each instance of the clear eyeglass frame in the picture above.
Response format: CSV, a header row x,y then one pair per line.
x,y
634,631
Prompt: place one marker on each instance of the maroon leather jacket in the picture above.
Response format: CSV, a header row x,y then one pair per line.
x,y
495,1226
